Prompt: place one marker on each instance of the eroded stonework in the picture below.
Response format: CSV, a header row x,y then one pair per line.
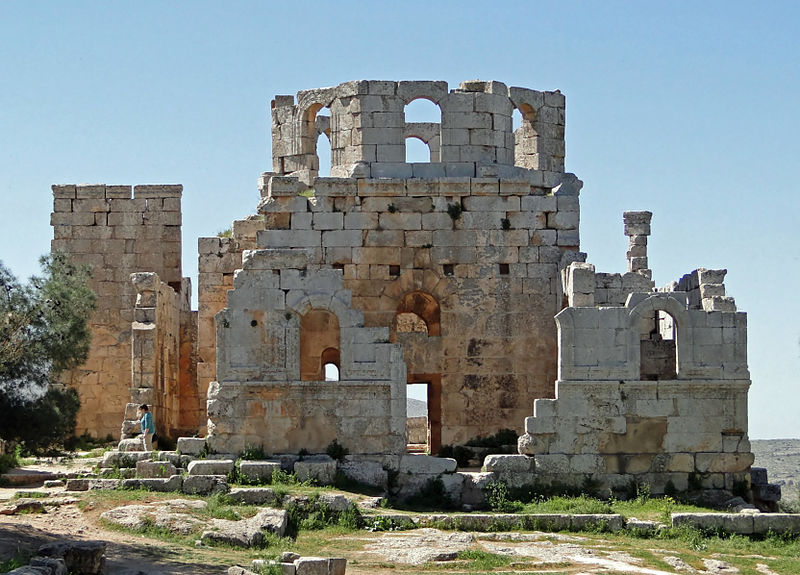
x,y
463,273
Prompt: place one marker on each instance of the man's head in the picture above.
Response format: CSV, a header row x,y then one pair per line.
x,y
143,408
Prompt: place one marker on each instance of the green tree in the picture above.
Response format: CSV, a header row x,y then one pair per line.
x,y
43,331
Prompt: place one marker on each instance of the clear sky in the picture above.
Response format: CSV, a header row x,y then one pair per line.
x,y
687,109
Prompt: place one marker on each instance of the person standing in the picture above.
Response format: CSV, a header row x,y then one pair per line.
x,y
148,427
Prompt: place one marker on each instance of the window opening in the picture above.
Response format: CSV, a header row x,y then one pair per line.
x,y
323,145
658,347
319,344
423,120
331,372
417,421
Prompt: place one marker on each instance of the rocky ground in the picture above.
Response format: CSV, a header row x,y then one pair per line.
x,y
69,517
781,457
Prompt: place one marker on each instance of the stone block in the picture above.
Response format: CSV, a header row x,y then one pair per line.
x,y
204,484
319,468
365,472
508,464
311,566
160,484
778,523
552,464
259,471
149,469
252,495
210,467
412,463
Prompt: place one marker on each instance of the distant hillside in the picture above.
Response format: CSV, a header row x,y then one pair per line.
x,y
416,407
781,457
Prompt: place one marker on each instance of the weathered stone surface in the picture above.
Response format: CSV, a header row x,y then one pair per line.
x,y
259,471
87,484
86,557
247,532
252,495
150,469
508,463
191,445
172,483
56,566
415,463
123,459
365,472
320,469
204,484
210,467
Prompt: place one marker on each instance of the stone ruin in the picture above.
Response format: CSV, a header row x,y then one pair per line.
x,y
464,273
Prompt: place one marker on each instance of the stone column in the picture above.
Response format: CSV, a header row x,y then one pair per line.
x,y
637,228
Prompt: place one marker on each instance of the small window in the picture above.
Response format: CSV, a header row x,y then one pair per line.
x,y
331,372
448,269
394,270
504,268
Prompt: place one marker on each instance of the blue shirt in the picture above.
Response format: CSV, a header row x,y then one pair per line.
x,y
147,423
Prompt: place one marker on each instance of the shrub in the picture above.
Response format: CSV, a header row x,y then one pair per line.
x,y
337,451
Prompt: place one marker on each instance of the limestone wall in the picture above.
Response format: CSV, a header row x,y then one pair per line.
x,y
477,260
260,398
156,343
219,258
118,231
367,130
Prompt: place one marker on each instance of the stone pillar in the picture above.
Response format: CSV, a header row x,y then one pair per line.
x,y
637,228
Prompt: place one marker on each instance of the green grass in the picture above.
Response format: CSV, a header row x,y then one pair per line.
x,y
573,505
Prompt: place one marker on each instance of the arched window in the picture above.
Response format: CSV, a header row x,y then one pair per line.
x,y
417,150
323,145
319,344
418,312
658,346
423,121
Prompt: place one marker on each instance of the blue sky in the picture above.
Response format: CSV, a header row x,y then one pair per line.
x,y
686,109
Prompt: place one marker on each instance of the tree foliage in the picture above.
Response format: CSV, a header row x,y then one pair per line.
x,y
43,331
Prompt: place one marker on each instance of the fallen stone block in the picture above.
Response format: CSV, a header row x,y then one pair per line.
x,y
56,566
259,471
175,458
311,566
151,469
210,467
204,484
191,445
337,503
31,570
23,506
237,570
161,484
252,495
739,523
123,459
118,472
129,445
776,522
247,532
50,483
85,557
89,484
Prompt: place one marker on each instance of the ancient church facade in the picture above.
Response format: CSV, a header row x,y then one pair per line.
x,y
464,273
